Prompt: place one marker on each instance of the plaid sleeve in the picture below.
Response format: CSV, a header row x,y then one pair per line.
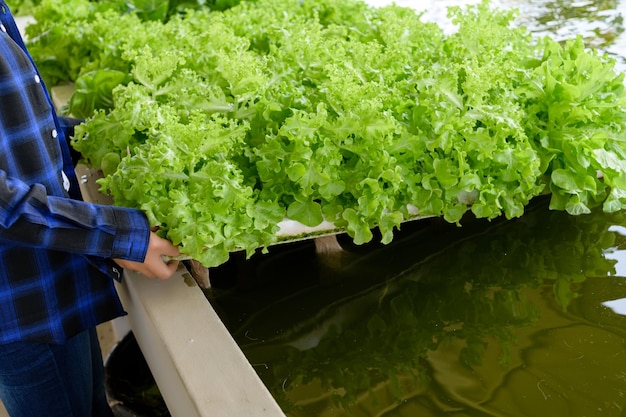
x,y
30,217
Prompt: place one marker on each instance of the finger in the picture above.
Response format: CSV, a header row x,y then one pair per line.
x,y
171,250
172,267
166,270
164,246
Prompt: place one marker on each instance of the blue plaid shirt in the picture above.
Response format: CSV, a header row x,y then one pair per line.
x,y
55,249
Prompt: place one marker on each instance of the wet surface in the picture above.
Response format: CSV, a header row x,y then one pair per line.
x,y
504,318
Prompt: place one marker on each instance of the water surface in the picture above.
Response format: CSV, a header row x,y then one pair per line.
x,y
505,318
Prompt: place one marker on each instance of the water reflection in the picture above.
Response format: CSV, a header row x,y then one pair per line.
x,y
618,306
614,253
494,318
599,22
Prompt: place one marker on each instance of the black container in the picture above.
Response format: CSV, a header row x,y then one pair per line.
x,y
130,386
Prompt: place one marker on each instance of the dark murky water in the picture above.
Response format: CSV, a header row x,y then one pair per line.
x,y
504,318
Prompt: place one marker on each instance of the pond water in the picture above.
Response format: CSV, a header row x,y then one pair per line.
x,y
525,317
503,318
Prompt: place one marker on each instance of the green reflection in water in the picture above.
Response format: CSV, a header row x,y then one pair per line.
x,y
493,318
598,21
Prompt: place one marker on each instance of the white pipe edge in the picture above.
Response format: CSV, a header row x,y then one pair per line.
x,y
198,367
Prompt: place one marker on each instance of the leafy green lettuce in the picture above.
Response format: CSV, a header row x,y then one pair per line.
x,y
221,123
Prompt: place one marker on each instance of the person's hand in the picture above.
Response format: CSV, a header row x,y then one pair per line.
x,y
154,266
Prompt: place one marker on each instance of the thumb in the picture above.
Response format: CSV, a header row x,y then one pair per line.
x,y
163,246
